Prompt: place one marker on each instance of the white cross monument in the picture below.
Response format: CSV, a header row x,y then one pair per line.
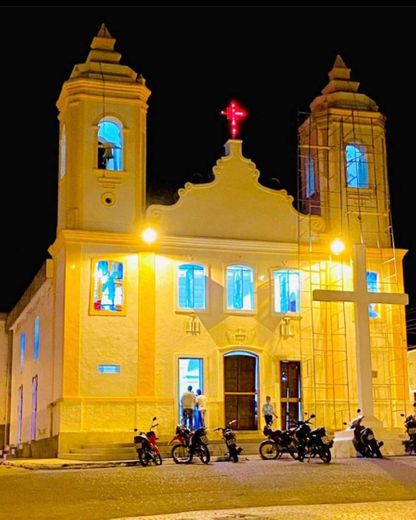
x,y
362,298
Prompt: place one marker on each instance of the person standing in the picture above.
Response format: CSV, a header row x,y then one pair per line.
x,y
201,404
268,411
188,403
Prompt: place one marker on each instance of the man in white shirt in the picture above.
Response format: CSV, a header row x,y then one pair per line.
x,y
188,404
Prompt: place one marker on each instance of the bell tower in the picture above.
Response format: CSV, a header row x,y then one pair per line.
x,y
102,151
343,162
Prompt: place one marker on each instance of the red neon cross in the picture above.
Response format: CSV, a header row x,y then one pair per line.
x,y
234,114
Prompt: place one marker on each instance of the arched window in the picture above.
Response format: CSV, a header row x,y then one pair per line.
x,y
357,166
286,291
62,153
240,288
310,177
191,286
110,145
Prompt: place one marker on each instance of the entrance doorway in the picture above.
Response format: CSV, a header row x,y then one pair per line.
x,y
190,373
290,392
240,390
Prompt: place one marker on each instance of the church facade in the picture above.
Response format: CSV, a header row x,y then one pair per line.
x,y
231,292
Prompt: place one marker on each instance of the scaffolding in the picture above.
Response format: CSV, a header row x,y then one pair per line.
x,y
358,212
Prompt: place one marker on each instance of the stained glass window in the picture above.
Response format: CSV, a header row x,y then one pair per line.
x,y
240,288
108,287
372,286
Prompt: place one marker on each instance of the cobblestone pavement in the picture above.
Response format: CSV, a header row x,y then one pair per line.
x,y
363,511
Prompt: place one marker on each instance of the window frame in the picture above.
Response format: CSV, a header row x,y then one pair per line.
x,y
288,270
363,155
206,271
105,312
117,122
254,289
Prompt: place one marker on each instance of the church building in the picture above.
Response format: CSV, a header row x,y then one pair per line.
x,y
231,289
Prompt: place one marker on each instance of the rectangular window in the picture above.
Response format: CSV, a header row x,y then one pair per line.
x,y
19,414
107,287
357,166
109,369
22,350
240,288
36,339
191,286
310,177
286,291
34,408
372,286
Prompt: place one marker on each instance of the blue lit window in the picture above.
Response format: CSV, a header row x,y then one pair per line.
x,y
372,286
240,288
286,291
109,369
36,339
191,286
108,287
357,166
22,350
110,145
310,177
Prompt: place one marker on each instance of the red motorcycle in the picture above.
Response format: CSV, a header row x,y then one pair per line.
x,y
187,444
146,447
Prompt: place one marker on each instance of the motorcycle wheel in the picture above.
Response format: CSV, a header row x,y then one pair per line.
x,y
233,453
325,454
181,454
157,458
268,450
373,450
144,461
204,454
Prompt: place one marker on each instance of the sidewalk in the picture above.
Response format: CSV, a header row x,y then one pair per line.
x,y
48,464
389,510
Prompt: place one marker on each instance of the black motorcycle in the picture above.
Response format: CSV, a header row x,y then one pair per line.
x,y
277,443
230,441
146,447
410,443
364,440
312,443
187,444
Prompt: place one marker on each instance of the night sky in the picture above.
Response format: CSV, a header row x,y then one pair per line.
x,y
273,60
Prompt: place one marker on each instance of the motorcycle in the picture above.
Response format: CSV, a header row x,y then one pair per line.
x,y
189,444
364,440
277,443
410,443
230,440
312,442
146,447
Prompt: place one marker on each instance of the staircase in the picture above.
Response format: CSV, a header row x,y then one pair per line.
x,y
126,451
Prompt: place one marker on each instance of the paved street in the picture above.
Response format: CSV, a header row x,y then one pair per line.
x,y
122,492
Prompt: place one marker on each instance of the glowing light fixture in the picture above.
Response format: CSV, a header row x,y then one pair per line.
x,y
337,246
234,114
149,235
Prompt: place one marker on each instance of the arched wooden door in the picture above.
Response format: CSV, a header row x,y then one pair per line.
x,y
240,390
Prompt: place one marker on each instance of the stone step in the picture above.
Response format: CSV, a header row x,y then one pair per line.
x,y
114,452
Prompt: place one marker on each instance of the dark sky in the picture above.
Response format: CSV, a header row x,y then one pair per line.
x,y
273,60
